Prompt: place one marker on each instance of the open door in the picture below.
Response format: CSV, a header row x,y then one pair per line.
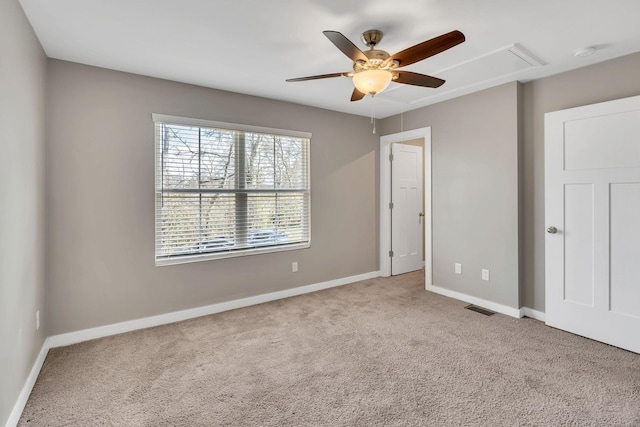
x,y
407,216
421,137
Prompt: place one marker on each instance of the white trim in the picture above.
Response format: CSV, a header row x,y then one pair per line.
x,y
23,397
499,308
177,316
231,126
534,314
192,255
160,262
385,198
161,319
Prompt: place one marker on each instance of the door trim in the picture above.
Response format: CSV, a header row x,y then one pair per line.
x,y
385,199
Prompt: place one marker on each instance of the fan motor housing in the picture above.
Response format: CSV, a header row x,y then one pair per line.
x,y
376,59
371,37
376,55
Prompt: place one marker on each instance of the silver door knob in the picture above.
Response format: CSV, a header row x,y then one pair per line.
x,y
552,230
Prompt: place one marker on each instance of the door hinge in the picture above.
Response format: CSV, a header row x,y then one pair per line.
x,y
391,157
390,205
391,254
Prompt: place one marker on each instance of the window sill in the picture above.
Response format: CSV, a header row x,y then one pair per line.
x,y
223,255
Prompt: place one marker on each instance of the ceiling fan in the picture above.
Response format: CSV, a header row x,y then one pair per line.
x,y
374,69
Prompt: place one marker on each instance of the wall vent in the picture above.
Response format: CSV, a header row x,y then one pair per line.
x,y
480,310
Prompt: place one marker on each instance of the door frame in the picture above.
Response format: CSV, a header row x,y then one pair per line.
x,y
385,199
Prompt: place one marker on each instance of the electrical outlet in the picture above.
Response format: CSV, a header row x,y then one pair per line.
x,y
485,274
294,267
37,320
458,268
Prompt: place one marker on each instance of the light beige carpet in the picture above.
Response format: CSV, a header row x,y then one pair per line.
x,y
378,352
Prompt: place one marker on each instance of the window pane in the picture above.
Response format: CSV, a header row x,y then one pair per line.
x,y
218,215
276,162
217,161
194,223
178,225
179,156
276,219
260,170
291,162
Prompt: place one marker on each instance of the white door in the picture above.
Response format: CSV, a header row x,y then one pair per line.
x,y
592,203
406,213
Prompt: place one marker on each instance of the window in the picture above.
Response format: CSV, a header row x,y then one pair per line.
x,y
226,190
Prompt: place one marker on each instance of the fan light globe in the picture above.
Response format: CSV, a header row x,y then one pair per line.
x,y
372,81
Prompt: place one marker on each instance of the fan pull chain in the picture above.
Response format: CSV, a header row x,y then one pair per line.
x,y
373,113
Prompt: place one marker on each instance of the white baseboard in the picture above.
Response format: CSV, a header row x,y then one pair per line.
x,y
534,314
499,308
161,319
177,316
16,412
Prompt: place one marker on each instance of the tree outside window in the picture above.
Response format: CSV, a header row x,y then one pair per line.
x,y
228,192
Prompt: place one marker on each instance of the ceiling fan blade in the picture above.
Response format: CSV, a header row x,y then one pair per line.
x,y
357,95
428,48
415,79
345,45
320,76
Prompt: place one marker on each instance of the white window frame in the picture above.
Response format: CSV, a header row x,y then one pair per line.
x,y
188,258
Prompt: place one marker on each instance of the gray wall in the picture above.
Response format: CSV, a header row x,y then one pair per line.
x,y
99,171
100,186
618,78
22,77
474,190
475,152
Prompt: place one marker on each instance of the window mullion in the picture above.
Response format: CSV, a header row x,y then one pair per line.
x,y
241,228
276,185
162,166
200,233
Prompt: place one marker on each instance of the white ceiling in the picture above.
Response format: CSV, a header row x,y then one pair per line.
x,y
252,46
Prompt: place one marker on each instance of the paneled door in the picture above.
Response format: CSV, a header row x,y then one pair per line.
x,y
407,217
592,214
